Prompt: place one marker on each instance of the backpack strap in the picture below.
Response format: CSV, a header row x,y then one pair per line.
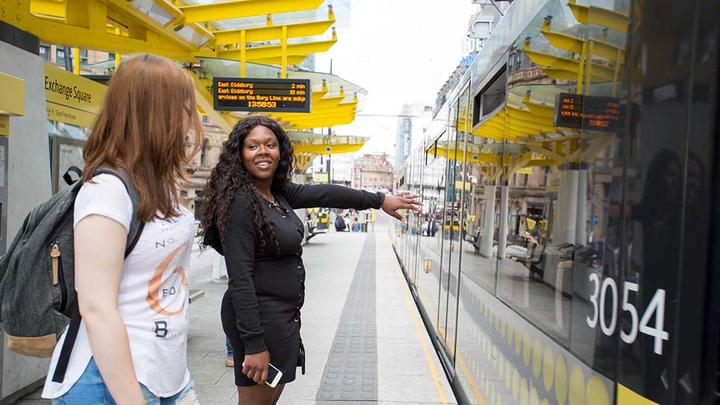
x,y
136,228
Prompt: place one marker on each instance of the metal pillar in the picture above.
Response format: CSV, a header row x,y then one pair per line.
x,y
502,235
581,221
567,207
489,223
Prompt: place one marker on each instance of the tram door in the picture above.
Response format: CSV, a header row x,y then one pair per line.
x,y
454,223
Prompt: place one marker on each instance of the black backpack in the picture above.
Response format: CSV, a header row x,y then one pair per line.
x,y
339,223
37,275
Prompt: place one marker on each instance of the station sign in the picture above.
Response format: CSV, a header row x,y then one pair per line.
x,y
71,98
261,95
587,112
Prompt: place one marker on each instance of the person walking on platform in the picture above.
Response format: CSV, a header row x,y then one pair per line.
x,y
355,227
131,347
249,217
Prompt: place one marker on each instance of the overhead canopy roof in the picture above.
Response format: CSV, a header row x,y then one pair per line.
x,y
225,36
181,30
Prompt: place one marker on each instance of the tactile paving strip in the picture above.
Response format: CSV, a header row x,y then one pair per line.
x,y
351,370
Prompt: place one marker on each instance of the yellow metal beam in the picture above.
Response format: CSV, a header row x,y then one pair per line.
x,y
85,26
599,16
562,64
275,51
459,155
326,149
567,42
269,33
291,60
320,109
119,9
303,161
546,152
244,8
13,100
48,8
311,119
323,122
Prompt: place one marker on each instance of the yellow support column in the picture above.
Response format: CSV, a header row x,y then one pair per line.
x,y
76,60
243,36
589,68
581,69
14,103
284,52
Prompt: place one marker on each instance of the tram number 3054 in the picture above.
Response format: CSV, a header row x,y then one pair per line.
x,y
656,307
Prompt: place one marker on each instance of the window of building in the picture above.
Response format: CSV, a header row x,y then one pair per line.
x,y
45,52
204,153
60,56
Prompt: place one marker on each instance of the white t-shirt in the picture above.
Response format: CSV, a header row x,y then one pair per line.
x,y
153,295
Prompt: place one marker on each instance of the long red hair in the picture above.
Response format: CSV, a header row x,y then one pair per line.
x,y
140,130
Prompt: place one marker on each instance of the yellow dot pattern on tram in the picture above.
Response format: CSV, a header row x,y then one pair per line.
x,y
577,386
534,397
508,374
548,369
526,349
536,359
501,369
561,380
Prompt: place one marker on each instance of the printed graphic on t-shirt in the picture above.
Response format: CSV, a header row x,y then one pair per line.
x,y
168,292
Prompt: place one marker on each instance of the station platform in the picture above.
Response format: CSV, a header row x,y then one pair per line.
x,y
363,335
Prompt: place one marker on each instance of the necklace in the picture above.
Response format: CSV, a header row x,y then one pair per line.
x,y
271,200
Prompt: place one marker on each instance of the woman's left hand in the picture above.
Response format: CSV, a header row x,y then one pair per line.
x,y
404,200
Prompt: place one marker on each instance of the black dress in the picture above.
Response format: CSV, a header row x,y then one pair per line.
x,y
261,308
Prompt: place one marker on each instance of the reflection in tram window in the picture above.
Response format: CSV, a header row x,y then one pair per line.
x,y
563,231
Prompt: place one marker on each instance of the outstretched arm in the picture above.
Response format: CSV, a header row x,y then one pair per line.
x,y
330,196
334,196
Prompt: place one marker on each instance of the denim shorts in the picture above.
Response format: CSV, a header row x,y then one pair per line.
x,y
91,389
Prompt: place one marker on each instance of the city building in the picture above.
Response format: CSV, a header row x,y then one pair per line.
x,y
341,169
373,173
200,167
413,121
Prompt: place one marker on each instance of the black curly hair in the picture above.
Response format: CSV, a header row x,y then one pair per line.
x,y
230,177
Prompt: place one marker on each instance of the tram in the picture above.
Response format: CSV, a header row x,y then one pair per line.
x,y
578,152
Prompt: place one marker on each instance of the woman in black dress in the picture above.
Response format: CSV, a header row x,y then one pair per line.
x,y
249,216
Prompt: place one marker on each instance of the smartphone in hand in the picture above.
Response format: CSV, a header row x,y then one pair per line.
x,y
274,376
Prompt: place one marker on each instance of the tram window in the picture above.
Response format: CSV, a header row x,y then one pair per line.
x,y
490,97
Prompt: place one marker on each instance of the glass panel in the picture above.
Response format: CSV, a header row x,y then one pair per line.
x,y
153,11
539,190
433,193
447,149
455,203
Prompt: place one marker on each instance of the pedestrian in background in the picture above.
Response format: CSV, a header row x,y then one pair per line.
x,y
131,346
249,216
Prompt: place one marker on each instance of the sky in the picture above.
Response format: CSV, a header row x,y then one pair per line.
x,y
400,51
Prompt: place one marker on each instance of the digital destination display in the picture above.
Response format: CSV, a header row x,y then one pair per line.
x,y
261,95
587,112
